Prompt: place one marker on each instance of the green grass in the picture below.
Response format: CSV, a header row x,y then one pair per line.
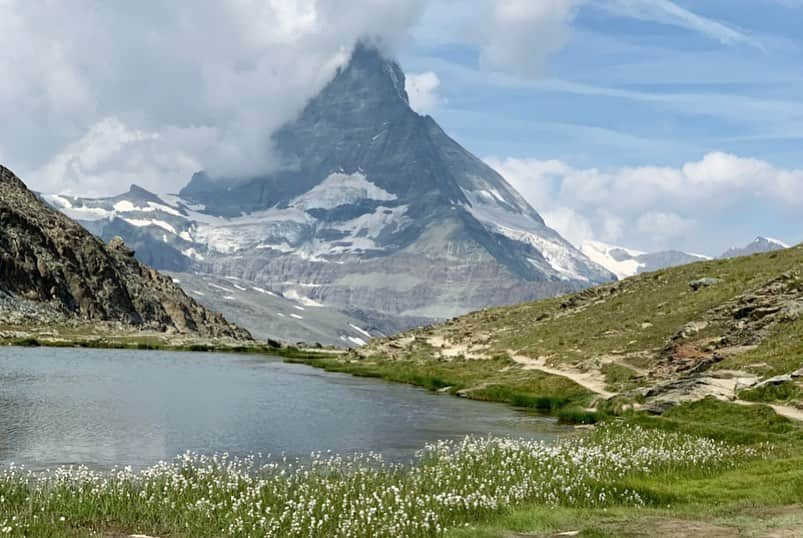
x,y
789,391
153,343
578,415
727,422
496,380
620,378
757,499
781,353
639,315
25,342
450,485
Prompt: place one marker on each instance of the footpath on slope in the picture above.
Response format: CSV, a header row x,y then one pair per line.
x,y
784,410
595,384
584,379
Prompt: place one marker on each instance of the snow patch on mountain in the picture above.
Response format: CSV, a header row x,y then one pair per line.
x,y
758,245
75,211
357,340
774,242
141,223
263,291
611,258
626,262
306,301
125,206
220,288
361,331
193,254
364,230
339,190
498,215
58,201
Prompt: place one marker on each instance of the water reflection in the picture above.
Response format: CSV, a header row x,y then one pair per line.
x,y
105,408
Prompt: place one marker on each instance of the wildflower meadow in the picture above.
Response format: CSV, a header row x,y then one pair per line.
x,y
449,485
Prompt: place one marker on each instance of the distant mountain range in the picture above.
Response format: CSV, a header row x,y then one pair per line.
x,y
757,246
375,213
625,262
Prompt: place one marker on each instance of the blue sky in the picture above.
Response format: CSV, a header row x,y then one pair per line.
x,y
636,87
664,94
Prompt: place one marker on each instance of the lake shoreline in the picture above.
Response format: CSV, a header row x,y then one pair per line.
x,y
319,358
685,500
145,341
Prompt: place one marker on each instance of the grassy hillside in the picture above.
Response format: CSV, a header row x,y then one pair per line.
x,y
716,328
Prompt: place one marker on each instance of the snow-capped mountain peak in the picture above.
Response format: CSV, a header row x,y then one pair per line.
x,y
624,262
378,211
756,246
620,261
771,241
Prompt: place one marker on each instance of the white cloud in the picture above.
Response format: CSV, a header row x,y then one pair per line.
x,y
422,88
212,81
537,181
668,12
518,35
650,206
225,74
570,224
658,226
112,156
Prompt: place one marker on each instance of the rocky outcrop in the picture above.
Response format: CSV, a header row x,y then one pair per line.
x,y
46,259
701,283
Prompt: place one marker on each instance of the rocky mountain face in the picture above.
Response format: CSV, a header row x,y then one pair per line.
x,y
757,246
624,262
50,265
375,211
292,319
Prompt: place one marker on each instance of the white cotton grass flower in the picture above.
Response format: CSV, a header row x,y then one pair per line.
x,y
450,483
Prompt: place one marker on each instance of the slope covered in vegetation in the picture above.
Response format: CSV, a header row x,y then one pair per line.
x,y
731,329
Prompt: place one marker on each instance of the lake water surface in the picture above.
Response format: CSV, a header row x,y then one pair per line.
x,y
104,408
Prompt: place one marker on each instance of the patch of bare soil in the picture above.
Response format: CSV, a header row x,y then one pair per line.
x,y
591,380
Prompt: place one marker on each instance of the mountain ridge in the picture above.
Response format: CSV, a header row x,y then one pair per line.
x,y
625,262
759,245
